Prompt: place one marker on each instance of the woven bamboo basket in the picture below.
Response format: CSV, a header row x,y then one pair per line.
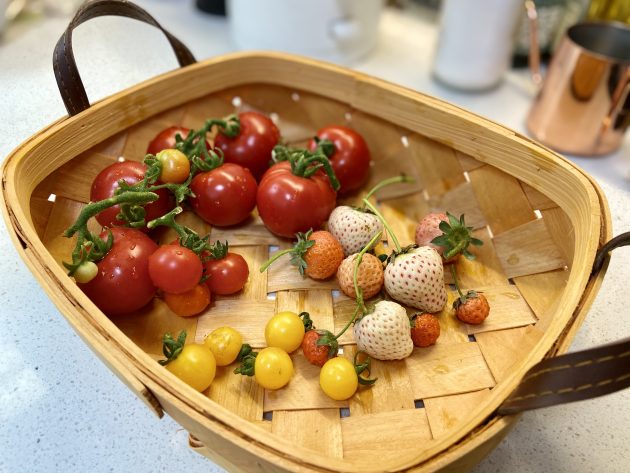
x,y
541,218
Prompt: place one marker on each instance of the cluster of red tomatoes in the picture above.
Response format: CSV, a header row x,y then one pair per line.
x,y
290,198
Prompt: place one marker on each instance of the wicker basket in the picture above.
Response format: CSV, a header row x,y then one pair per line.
x,y
542,220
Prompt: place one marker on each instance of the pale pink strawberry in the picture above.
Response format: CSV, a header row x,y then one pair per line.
x,y
428,228
416,278
384,334
352,228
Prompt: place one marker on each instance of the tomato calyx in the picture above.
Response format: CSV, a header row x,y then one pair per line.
x,y
217,251
247,359
305,163
194,145
297,253
90,247
361,366
172,347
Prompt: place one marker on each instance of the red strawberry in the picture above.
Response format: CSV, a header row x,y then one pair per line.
x,y
316,353
425,329
473,308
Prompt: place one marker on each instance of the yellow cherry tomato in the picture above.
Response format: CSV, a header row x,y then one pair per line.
x,y
225,343
285,330
338,378
273,368
175,166
195,365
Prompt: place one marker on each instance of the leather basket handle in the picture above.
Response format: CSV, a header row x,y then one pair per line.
x,y
68,79
575,376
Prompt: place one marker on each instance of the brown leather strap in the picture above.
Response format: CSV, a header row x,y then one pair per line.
x,y
575,376
66,72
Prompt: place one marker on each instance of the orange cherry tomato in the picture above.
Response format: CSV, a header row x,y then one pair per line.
x,y
189,303
175,166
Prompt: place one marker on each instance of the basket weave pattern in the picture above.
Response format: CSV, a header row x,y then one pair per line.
x,y
522,268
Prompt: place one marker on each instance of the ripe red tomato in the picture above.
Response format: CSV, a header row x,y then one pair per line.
x,y
351,159
106,183
288,204
253,145
226,275
224,196
122,284
166,139
175,269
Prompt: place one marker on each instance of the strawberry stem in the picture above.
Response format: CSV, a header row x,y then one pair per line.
x,y
385,224
273,259
358,291
297,253
462,297
387,182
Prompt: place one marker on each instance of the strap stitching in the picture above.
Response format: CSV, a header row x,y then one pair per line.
x,y
569,390
576,365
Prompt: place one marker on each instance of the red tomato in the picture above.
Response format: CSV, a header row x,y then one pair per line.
x,y
351,159
224,196
226,275
166,139
175,269
106,183
253,145
288,204
122,284
190,302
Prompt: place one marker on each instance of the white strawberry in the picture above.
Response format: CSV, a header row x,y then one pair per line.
x,y
353,228
415,278
385,334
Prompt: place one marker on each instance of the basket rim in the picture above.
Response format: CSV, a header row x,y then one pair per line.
x,y
140,364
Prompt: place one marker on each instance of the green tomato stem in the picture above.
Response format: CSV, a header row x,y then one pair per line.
x,y
90,210
385,224
387,182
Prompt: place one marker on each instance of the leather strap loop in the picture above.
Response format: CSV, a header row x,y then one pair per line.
x,y
68,79
575,376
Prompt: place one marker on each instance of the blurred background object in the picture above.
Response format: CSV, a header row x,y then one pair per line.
x,y
475,42
336,30
612,10
582,108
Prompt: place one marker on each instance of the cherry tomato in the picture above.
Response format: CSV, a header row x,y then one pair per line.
x,y
175,166
225,343
338,379
224,196
195,365
106,183
273,368
288,204
122,284
226,275
166,139
175,269
190,302
252,147
285,330
351,159
86,272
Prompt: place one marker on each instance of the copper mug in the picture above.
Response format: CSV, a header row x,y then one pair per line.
x,y
583,107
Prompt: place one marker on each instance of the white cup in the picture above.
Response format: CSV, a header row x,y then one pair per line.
x,y
335,30
475,42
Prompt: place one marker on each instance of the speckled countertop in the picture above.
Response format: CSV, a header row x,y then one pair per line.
x,y
62,410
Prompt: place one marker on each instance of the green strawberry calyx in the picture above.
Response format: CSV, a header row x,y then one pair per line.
x,y
456,237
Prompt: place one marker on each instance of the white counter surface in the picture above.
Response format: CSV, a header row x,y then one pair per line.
x,y
62,410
